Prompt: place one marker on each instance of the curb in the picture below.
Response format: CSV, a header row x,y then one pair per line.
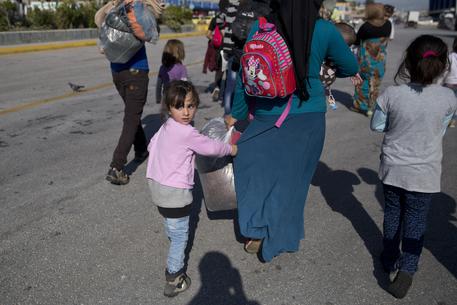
x,y
80,43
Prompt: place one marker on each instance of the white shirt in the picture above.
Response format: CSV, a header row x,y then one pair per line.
x,y
451,76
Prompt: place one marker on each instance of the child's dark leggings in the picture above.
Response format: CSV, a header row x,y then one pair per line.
x,y
405,219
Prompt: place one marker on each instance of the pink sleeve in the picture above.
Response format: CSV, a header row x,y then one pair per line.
x,y
205,146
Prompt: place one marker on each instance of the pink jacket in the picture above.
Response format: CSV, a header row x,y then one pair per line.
x,y
172,153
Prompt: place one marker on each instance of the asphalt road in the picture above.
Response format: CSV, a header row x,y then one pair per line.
x,y
67,236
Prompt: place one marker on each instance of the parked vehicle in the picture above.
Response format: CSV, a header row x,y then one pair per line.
x,y
412,20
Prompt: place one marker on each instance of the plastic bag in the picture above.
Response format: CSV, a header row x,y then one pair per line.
x,y
116,38
216,174
141,20
125,30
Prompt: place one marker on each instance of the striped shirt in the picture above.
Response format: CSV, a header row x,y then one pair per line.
x,y
229,16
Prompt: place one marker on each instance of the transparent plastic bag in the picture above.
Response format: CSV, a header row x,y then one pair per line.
x,y
125,30
142,20
216,174
116,38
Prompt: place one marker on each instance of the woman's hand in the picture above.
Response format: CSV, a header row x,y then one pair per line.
x,y
229,120
356,80
234,150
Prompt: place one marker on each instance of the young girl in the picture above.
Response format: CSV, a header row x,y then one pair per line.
x,y
414,117
450,79
172,67
170,174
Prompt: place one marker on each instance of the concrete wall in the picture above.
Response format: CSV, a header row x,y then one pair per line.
x,y
22,37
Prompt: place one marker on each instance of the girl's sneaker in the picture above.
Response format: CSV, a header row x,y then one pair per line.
x,y
176,284
401,284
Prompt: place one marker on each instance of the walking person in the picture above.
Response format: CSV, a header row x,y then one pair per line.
x,y
172,67
131,81
414,117
213,57
388,13
274,167
230,50
170,174
372,38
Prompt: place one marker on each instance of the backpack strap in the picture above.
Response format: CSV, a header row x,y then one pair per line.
x,y
262,21
284,113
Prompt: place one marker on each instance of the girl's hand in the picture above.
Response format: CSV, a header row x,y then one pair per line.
x,y
229,120
356,80
234,150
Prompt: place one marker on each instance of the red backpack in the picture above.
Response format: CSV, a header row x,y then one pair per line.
x,y
267,66
217,37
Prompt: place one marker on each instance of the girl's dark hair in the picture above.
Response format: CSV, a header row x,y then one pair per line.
x,y
176,92
425,59
454,45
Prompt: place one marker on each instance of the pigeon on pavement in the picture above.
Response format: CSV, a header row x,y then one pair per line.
x,y
75,88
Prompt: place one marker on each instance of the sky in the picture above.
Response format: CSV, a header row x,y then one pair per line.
x,y
407,4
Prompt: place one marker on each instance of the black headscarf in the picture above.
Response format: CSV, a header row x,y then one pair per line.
x,y
295,20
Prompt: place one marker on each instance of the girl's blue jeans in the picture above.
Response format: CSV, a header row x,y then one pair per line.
x,y
405,219
177,230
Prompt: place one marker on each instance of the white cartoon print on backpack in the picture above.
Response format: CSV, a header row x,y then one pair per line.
x,y
256,77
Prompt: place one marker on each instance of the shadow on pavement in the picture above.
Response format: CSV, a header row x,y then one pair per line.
x,y
342,98
151,125
337,188
370,176
441,234
221,282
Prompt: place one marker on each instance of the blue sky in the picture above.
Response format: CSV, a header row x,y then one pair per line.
x,y
408,4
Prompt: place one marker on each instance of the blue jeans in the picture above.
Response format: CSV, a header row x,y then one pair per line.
x,y
230,83
405,220
177,230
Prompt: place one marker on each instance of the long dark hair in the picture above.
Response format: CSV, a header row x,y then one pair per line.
x,y
425,59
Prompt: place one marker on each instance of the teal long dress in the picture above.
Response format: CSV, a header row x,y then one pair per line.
x,y
274,166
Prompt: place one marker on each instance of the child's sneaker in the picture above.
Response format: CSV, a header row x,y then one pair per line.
x,y
176,284
215,94
401,284
117,177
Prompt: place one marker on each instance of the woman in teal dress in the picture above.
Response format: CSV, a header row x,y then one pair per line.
x,y
274,166
372,37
